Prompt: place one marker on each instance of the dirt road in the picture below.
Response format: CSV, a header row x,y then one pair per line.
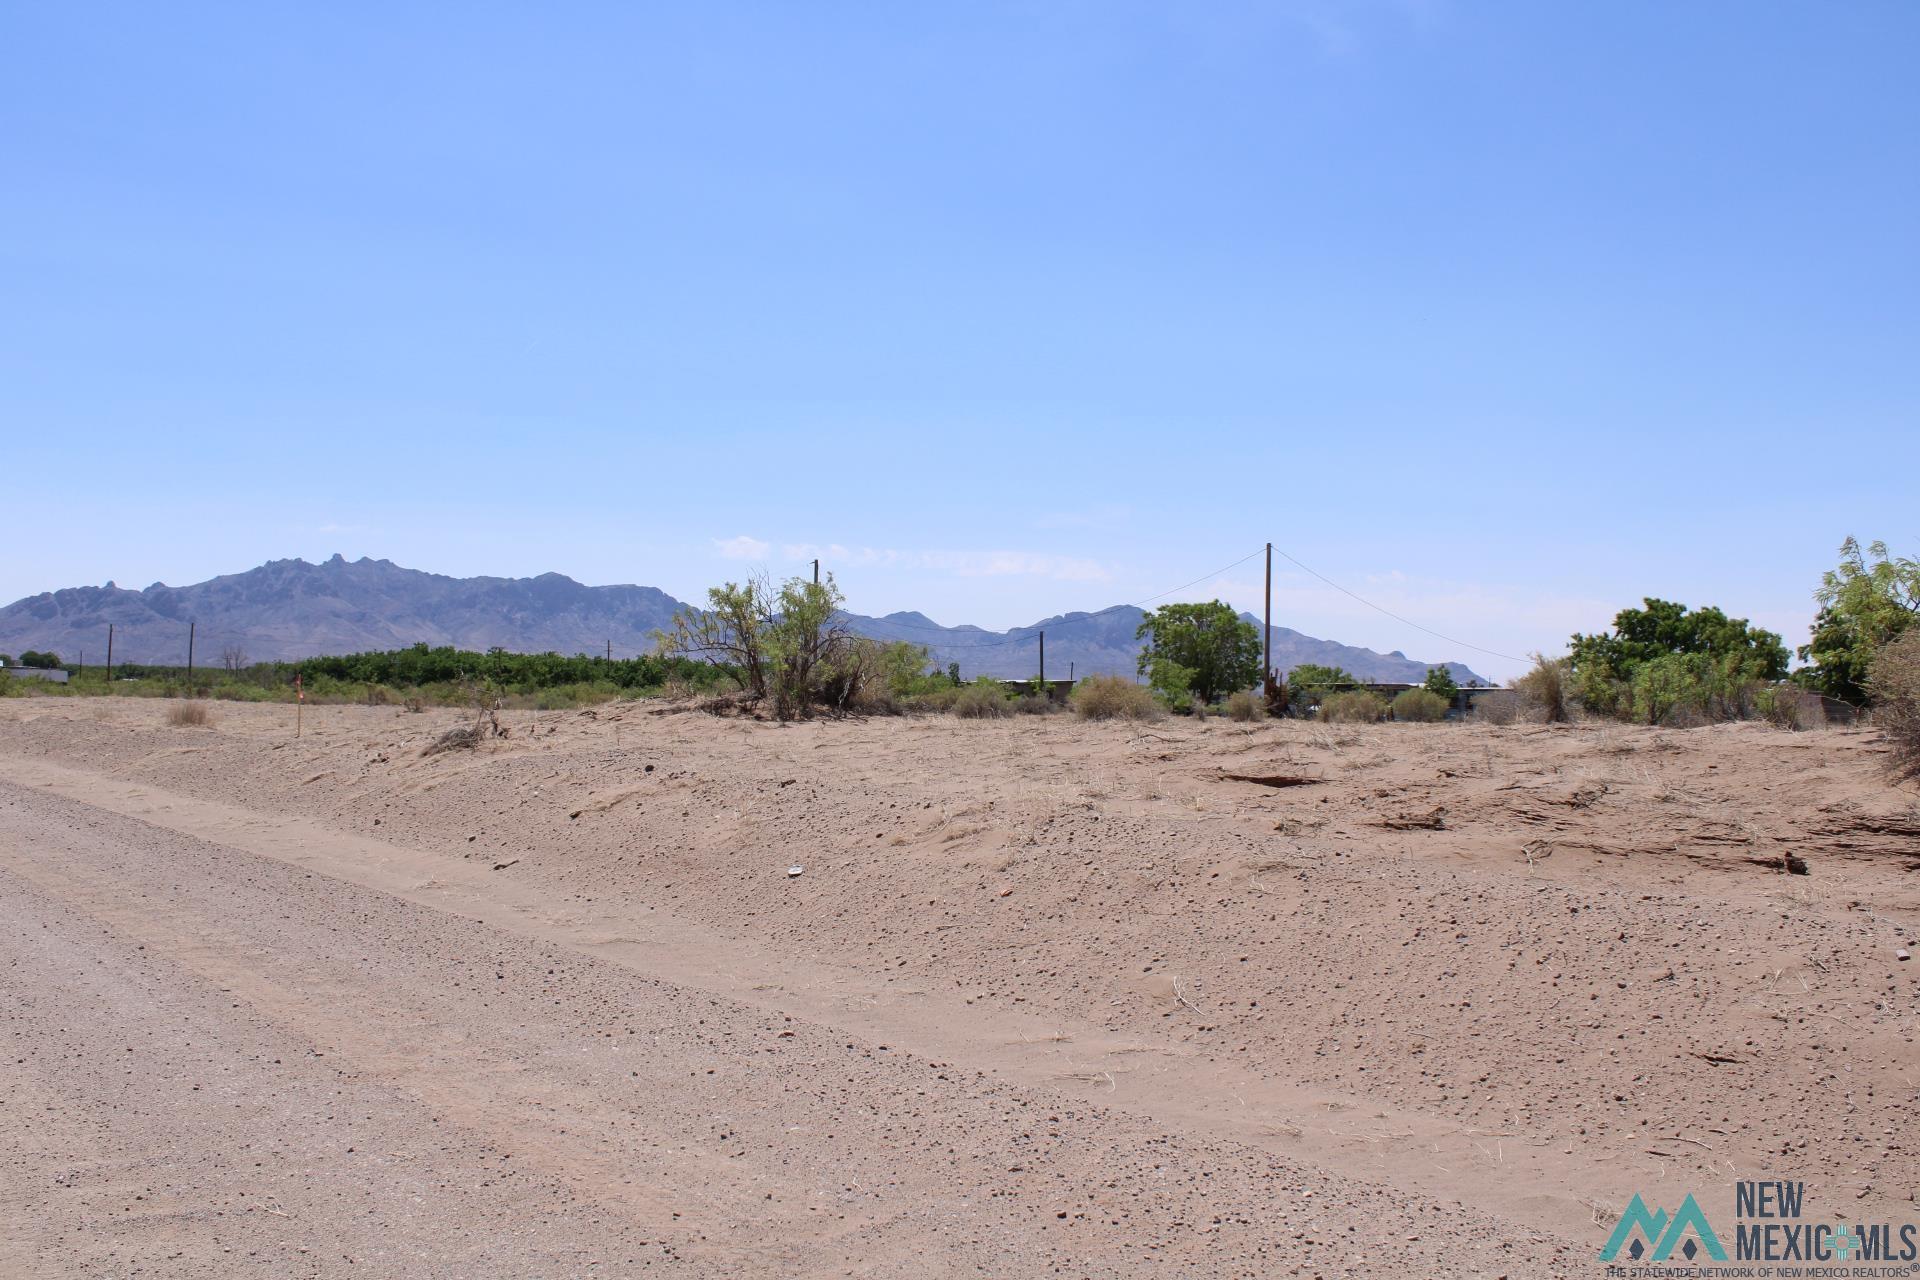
x,y
222,1064
1045,999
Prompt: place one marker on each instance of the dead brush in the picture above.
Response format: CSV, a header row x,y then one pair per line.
x,y
486,723
192,714
1895,682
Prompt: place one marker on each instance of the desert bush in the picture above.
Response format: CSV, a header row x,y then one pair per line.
x,y
1242,704
1502,707
189,715
1788,706
1544,689
982,700
1893,682
932,700
791,645
1355,706
1034,705
1420,704
1114,698
1308,684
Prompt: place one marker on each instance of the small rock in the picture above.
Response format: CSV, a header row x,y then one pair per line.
x,y
1902,954
794,870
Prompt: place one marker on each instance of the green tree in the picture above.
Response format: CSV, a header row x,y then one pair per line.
x,y
1219,648
1864,604
790,645
35,658
953,674
1730,657
1440,682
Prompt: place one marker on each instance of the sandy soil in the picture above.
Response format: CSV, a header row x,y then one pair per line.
x,y
1047,997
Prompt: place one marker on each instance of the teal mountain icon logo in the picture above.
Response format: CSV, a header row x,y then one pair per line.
x,y
1641,1229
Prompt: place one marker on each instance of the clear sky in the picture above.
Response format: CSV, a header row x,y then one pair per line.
x,y
1501,314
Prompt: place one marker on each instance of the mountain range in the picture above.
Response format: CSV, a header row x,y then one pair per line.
x,y
292,609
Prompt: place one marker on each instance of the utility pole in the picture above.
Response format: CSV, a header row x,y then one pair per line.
x,y
109,653
1043,665
816,571
1267,662
609,648
190,627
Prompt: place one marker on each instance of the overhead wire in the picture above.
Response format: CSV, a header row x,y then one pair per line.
x,y
1022,635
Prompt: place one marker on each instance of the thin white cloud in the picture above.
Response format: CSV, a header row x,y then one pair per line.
x,y
742,547
962,564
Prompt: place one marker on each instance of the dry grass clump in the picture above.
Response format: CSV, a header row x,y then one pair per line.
x,y
1545,689
981,700
1243,705
1420,705
1352,706
1894,683
192,714
1114,698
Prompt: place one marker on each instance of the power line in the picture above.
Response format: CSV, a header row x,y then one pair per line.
x,y
1494,653
1023,635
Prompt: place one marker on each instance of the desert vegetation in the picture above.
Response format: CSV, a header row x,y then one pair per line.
x,y
788,651
1893,682
191,714
1114,698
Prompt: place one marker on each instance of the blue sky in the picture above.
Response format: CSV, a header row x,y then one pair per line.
x,y
1502,315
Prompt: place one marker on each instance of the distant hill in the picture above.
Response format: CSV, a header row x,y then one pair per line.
x,y
293,609
1103,643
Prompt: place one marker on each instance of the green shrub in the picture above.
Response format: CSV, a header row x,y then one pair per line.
x,y
1355,706
1893,682
1114,698
982,700
1420,704
1171,683
1440,681
1243,705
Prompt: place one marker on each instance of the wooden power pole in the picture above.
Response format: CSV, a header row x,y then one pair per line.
x,y
1043,665
109,653
190,627
1267,662
816,571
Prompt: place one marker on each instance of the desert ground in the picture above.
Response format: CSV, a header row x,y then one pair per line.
x,y
1045,997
